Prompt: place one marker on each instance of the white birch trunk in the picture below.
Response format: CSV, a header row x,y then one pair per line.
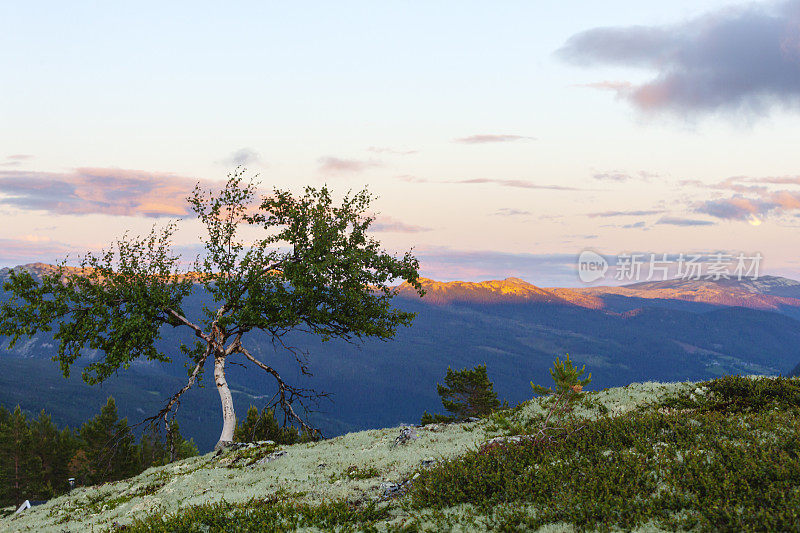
x,y
228,414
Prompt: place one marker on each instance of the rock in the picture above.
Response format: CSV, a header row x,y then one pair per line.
x,y
515,439
321,465
472,419
428,461
271,457
389,489
407,434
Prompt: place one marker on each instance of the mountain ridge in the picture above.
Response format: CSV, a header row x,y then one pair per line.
x,y
766,293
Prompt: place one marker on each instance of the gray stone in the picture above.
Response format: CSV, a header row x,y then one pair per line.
x,y
271,457
407,434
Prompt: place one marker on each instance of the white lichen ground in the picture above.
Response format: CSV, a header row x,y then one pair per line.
x,y
307,472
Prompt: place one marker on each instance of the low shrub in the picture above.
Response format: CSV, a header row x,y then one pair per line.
x,y
261,515
728,459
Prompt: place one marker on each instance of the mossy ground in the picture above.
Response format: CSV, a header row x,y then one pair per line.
x,y
719,455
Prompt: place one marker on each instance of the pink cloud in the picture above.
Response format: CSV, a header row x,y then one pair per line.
x,y
110,191
391,151
519,184
491,138
750,200
341,166
391,225
14,252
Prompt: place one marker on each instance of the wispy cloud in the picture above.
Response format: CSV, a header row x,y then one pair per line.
x,y
388,224
412,179
519,184
492,138
635,225
508,212
639,213
676,221
14,160
746,57
623,176
753,198
390,151
31,249
447,264
742,208
242,157
338,165
110,191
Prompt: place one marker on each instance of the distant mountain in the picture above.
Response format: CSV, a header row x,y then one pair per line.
x,y
507,290
770,293
623,335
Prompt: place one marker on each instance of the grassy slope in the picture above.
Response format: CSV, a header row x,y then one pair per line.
x,y
315,485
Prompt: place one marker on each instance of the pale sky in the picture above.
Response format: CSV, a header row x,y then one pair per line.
x,y
503,138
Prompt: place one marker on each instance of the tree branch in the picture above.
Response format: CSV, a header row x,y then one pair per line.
x,y
183,320
175,399
286,394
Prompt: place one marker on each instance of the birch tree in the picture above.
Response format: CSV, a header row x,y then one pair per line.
x,y
312,267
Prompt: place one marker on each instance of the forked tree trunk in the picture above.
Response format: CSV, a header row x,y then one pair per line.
x,y
228,414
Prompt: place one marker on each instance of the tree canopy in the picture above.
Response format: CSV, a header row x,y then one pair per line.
x,y
314,267
466,393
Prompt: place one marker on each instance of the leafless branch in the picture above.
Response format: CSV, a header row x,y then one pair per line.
x,y
287,394
300,355
174,400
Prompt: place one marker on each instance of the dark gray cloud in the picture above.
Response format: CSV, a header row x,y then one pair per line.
x,y
242,157
338,165
492,138
639,213
110,191
675,221
746,57
520,184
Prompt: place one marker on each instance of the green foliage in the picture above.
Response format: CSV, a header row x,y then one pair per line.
x,y
153,450
37,459
466,393
568,390
315,268
259,515
741,394
115,302
262,425
248,456
428,418
567,379
357,472
108,446
34,457
732,462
